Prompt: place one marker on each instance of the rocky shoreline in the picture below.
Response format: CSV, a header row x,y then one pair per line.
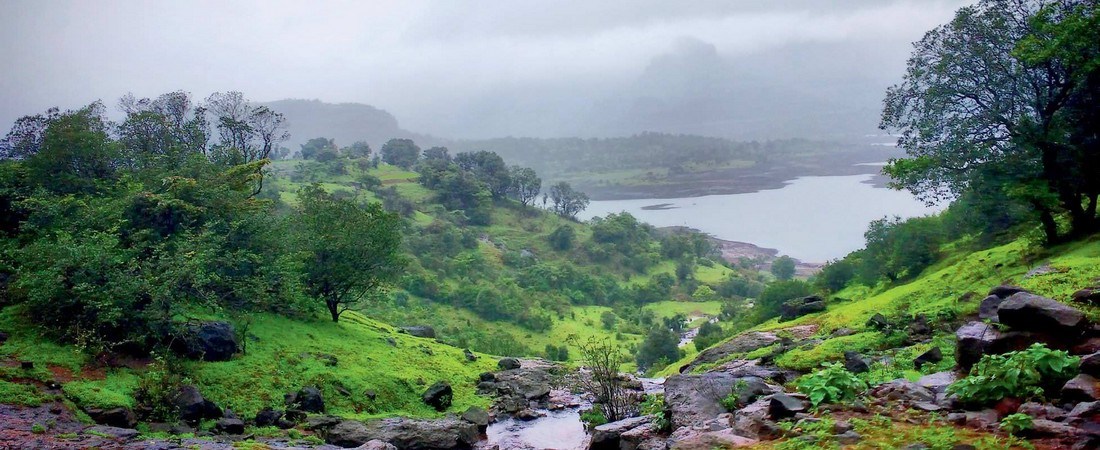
x,y
761,258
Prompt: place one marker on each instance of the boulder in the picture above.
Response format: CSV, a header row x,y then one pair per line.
x,y
878,322
1050,428
321,423
1030,312
937,382
645,437
1090,364
527,415
742,343
1042,411
748,389
783,406
1082,388
972,341
607,436
441,434
932,356
193,407
307,399
855,363
470,356
112,432
689,439
798,307
268,417
227,425
1006,291
849,437
422,331
919,328
1089,295
376,445
752,421
439,396
696,398
904,391
208,341
114,417
477,416
508,364
1085,411
987,309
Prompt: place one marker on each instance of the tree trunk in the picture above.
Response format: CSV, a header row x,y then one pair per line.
x,y
1050,226
333,309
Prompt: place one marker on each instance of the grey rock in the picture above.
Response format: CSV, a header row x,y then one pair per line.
x,y
470,356
421,331
878,322
1082,388
113,432
1089,295
695,398
1050,428
1090,364
1085,410
752,421
376,445
985,419
742,343
192,407
848,438
987,309
476,416
903,391
439,396
227,425
406,434
1030,312
1042,411
855,363
974,340
937,382
508,363
208,341
783,406
115,417
798,307
607,436
268,417
315,423
932,356
307,399
1006,291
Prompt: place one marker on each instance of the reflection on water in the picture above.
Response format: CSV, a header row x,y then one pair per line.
x,y
560,430
814,219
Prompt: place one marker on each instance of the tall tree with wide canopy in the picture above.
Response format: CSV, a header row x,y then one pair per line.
x,y
993,92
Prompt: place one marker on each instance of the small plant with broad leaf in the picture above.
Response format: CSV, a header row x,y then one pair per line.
x,y
833,384
654,406
1017,423
1022,374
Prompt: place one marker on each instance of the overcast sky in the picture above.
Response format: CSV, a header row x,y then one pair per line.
x,y
479,68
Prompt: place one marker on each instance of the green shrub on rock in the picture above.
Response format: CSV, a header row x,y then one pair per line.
x,y
1015,374
833,384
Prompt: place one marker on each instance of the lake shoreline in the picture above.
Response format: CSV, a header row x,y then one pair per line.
x,y
734,251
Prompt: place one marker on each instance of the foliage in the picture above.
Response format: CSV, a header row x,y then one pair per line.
x,y
654,406
710,333
603,359
1023,374
783,267
593,418
833,384
770,301
402,153
1016,423
321,149
567,202
660,347
159,386
526,185
562,238
899,248
835,275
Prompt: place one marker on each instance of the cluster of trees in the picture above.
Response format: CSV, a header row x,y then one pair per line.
x,y
470,182
113,231
1001,102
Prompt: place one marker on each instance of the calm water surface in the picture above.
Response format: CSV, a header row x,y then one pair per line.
x,y
814,219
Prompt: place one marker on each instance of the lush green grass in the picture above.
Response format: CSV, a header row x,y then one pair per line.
x,y
687,309
19,394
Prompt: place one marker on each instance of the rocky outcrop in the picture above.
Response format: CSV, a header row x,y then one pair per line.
x,y
799,307
743,343
115,417
696,398
608,435
193,408
854,362
782,406
692,439
520,388
1029,312
508,364
422,331
307,399
406,434
208,341
439,396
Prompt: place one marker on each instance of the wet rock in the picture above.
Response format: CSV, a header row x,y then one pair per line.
x,y
527,415
1050,428
748,389
1090,364
974,340
799,307
442,434
438,396
115,417
307,399
645,437
487,376
228,425
932,356
422,331
919,328
985,419
904,391
696,398
688,439
1042,411
208,341
987,309
113,432
268,417
508,364
841,332
1085,411
752,421
783,406
477,416
1082,388
855,363
1030,312
1089,295
193,407
1006,291
470,356
319,423
607,436
376,445
878,322
937,382
743,343
848,438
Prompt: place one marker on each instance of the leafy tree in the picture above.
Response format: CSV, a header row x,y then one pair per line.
x,y
320,149
783,267
561,239
246,133
437,153
709,334
899,248
526,184
358,149
660,345
351,251
566,201
836,274
76,154
993,92
402,153
162,132
603,359
490,168
608,319
770,302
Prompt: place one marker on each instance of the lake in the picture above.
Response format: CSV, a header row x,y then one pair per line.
x,y
814,219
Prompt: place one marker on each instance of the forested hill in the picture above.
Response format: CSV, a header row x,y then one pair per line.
x,y
344,122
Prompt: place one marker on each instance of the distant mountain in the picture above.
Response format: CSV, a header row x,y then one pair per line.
x,y
344,122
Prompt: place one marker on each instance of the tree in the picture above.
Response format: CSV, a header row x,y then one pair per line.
x,y
437,154
75,153
603,359
320,149
359,149
770,302
526,185
783,267
835,275
566,201
608,319
489,167
661,345
402,153
709,334
162,132
561,239
352,251
993,91
246,133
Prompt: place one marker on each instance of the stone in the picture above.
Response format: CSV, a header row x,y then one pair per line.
x,y
1006,291
477,416
985,419
470,356
987,309
644,437
841,332
487,376
1042,411
1082,388
1050,428
113,432
904,391
228,425
696,398
307,399
855,363
689,439
268,417
607,436
1030,312
878,322
937,382
1090,364
919,328
192,407
932,356
421,331
752,421
440,434
1089,295
783,406
208,341
115,417
748,389
438,396
316,423
508,364
1085,410
527,415
3,337
799,307
972,341
376,444
848,438
742,343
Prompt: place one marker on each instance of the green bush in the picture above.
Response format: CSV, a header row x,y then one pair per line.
x,y
593,418
654,406
1015,423
833,384
1015,374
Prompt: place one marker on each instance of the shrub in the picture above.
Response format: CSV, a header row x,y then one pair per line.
x,y
654,407
1015,423
1015,374
833,384
593,418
